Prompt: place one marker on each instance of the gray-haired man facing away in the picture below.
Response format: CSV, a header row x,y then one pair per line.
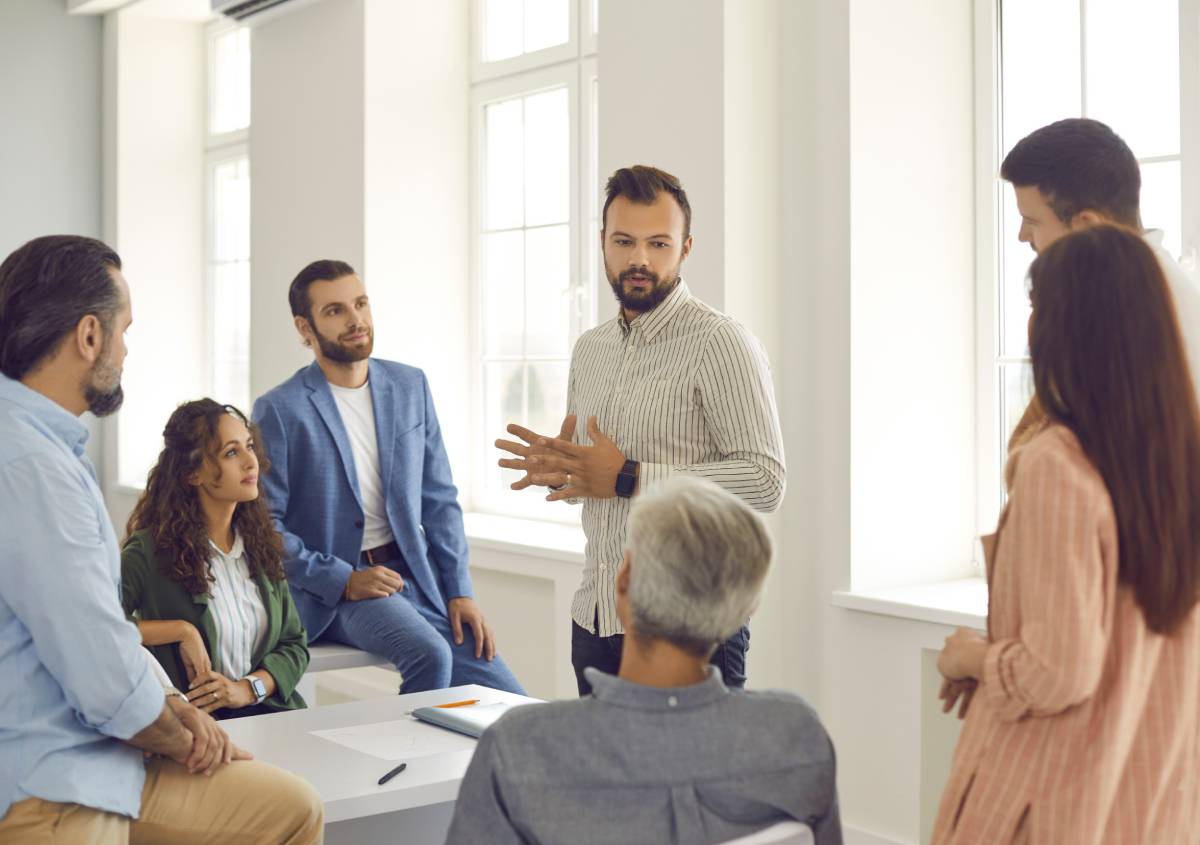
x,y
662,752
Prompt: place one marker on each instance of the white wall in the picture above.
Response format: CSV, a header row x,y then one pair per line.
x,y
50,172
306,168
154,217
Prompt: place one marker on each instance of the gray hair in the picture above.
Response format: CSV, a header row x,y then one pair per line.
x,y
699,558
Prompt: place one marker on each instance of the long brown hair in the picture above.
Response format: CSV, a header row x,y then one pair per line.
x,y
170,506
1109,364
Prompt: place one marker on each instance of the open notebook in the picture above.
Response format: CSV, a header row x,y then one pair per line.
x,y
472,719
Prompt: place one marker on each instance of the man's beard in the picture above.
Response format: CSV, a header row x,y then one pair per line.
x,y
635,300
103,390
335,350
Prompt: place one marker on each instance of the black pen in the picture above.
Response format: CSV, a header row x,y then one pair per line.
x,y
393,773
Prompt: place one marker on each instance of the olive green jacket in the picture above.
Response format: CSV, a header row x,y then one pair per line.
x,y
150,594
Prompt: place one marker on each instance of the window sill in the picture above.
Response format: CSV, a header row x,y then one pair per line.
x,y
962,601
529,537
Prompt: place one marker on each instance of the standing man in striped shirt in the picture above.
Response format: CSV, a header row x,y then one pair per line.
x,y
668,386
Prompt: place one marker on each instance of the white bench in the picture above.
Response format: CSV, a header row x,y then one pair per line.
x,y
327,657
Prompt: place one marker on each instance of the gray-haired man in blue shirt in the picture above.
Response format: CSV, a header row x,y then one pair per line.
x,y
662,752
80,702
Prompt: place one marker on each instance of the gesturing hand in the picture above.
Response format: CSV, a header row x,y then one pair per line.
x,y
590,471
193,653
533,475
465,610
212,690
375,582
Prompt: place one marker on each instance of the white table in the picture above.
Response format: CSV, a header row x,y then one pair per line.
x,y
415,807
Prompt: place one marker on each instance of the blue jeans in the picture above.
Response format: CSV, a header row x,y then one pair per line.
x,y
414,636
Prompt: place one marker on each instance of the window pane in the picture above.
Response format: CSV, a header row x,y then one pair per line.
x,y
547,386
1133,71
547,23
504,293
1015,258
505,164
547,158
231,210
230,82
547,291
595,4
504,397
503,36
231,334
1040,66
1161,203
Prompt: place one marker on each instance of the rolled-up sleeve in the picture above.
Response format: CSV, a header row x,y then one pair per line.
x,y
59,576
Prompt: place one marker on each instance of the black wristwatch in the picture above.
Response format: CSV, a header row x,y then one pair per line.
x,y
627,479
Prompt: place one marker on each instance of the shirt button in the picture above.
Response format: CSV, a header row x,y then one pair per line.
x,y
672,701
604,567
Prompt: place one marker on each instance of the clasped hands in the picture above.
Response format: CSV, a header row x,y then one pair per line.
x,y
961,665
210,689
572,469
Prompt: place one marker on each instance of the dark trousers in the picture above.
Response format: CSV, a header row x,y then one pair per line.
x,y
604,653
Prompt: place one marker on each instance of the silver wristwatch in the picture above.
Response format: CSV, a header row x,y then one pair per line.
x,y
260,688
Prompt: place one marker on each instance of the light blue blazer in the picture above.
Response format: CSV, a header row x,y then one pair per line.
x,y
313,496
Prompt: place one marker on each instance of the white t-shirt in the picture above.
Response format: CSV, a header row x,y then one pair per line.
x,y
1185,290
358,416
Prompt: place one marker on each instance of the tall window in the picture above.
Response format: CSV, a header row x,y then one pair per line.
x,y
534,187
1112,60
227,168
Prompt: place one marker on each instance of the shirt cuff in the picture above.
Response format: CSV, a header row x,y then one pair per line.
x,y
651,474
1008,707
140,708
334,590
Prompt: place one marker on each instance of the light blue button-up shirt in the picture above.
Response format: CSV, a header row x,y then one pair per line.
x,y
73,676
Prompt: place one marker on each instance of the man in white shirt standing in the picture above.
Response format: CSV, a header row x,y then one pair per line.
x,y
1077,173
668,386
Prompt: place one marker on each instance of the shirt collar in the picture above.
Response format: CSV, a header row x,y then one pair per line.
x,y
1154,237
656,319
235,551
614,690
58,419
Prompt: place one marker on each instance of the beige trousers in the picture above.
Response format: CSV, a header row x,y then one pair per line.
x,y
244,802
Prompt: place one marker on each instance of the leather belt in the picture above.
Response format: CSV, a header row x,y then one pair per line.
x,y
381,554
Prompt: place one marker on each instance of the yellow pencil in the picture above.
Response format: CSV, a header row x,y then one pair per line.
x,y
459,703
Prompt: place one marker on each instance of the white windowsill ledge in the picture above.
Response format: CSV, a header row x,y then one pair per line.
x,y
963,601
528,537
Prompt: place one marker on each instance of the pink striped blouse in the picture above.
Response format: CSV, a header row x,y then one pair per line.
x,y
1084,728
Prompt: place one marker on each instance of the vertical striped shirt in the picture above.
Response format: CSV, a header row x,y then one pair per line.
x,y
238,612
1085,727
680,389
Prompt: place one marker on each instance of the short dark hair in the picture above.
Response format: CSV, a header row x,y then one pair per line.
x,y
46,287
323,270
1078,164
642,184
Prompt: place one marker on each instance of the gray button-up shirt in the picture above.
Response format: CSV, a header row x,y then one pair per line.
x,y
681,389
634,764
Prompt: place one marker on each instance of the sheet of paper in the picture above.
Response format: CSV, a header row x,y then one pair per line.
x,y
399,740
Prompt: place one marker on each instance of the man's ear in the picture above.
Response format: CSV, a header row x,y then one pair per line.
x,y
1087,218
687,248
304,329
89,338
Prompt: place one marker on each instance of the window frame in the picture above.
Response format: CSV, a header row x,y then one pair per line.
x,y
991,195
572,65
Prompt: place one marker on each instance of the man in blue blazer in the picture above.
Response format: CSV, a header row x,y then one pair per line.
x,y
360,489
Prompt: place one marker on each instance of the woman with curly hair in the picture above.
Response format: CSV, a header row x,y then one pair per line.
x,y
202,571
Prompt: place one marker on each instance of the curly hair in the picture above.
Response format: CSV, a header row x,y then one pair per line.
x,y
170,511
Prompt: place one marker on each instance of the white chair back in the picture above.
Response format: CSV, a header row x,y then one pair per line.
x,y
784,833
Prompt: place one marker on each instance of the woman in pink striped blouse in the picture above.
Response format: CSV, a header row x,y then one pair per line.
x,y
1084,725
